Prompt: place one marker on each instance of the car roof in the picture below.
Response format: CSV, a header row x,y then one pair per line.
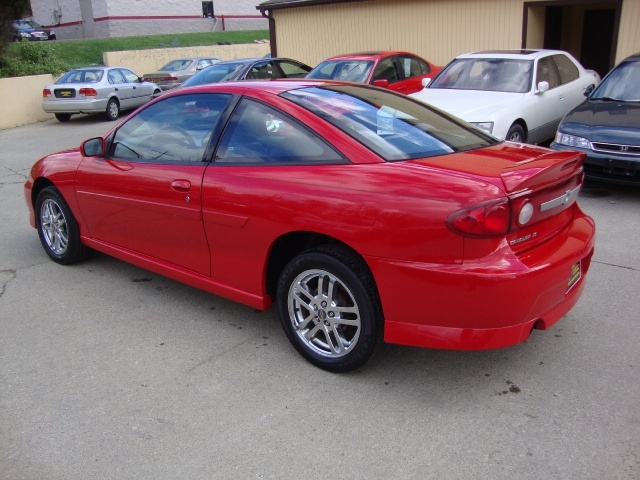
x,y
526,54
368,55
272,86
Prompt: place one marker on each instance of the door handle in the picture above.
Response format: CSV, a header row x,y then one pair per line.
x,y
181,185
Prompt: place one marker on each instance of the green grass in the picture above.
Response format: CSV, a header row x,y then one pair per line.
x,y
81,53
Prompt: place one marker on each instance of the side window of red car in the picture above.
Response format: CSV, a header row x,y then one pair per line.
x,y
386,70
176,129
258,134
413,66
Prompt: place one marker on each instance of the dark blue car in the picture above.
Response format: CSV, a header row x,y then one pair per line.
x,y
31,31
606,126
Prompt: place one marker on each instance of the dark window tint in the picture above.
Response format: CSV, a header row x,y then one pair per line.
x,y
567,69
547,72
393,126
292,70
413,66
386,70
177,129
259,134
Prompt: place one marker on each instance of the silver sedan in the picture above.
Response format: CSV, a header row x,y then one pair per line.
x,y
105,90
177,71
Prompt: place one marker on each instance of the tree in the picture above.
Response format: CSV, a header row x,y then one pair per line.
x,y
10,10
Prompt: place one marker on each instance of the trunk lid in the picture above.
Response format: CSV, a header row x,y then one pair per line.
x,y
542,186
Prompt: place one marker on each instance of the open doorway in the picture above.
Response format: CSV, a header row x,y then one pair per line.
x,y
588,29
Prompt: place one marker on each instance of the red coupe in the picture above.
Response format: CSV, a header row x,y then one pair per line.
x,y
363,214
398,71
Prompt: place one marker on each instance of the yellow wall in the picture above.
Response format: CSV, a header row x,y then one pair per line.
x,y
629,35
438,30
21,98
147,61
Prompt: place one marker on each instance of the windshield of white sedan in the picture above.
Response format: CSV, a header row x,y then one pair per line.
x,y
488,74
622,84
344,70
392,125
82,76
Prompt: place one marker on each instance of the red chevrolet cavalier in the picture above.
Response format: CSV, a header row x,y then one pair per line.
x,y
365,215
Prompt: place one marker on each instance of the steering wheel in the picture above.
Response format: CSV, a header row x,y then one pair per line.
x,y
168,130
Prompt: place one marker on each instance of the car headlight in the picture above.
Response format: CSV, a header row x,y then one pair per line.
x,y
572,140
25,34
486,126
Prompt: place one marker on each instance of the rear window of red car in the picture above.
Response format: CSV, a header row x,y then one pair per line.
x,y
394,126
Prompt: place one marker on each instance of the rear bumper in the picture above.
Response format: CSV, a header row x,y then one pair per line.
x,y
475,307
75,106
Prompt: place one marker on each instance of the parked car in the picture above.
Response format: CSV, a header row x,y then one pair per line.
x,y
249,69
363,214
398,71
31,31
517,95
105,90
175,72
606,126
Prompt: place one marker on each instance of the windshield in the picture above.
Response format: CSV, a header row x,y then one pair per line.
x,y
81,76
394,126
489,74
623,84
215,73
177,65
345,70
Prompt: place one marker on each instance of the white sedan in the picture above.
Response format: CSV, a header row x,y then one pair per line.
x,y
517,95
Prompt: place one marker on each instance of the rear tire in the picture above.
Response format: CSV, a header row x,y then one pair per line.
x,y
57,228
330,309
63,117
113,109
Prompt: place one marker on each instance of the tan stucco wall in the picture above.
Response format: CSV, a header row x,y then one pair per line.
x,y
147,61
438,30
629,35
20,99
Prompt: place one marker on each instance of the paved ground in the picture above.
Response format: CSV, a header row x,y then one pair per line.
x,y
109,371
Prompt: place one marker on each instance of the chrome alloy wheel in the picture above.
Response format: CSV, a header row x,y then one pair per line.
x,y
54,227
324,313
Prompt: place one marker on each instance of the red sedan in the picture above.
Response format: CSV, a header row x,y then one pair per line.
x,y
398,71
363,214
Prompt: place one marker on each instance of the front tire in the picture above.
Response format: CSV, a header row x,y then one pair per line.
x,y
330,309
516,133
57,228
113,109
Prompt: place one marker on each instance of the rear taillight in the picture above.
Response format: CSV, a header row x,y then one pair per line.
x,y
169,79
488,219
46,93
88,92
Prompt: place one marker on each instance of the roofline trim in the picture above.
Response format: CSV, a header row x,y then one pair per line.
x,y
279,5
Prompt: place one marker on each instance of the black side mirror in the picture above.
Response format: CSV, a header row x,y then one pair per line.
x,y
93,147
589,90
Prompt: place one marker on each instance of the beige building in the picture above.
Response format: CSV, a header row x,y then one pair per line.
x,y
598,33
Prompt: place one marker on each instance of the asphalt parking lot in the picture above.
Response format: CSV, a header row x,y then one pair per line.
x,y
110,371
